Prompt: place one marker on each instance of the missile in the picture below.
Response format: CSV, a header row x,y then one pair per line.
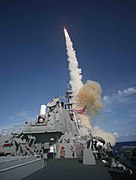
x,y
65,32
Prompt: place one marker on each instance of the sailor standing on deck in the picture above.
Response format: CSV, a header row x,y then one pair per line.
x,y
52,149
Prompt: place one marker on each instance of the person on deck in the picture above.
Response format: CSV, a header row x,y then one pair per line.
x,y
52,149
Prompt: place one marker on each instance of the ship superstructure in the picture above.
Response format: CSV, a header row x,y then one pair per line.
x,y
56,125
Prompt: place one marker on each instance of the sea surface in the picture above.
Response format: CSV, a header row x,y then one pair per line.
x,y
118,146
126,143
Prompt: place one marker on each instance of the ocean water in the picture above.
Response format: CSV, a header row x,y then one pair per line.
x,y
127,143
117,149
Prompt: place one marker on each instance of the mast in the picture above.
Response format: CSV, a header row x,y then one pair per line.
x,y
69,97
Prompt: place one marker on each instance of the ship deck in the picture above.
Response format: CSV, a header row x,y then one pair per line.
x,y
72,169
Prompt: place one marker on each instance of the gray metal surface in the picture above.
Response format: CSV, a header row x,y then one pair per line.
x,y
21,168
88,157
70,169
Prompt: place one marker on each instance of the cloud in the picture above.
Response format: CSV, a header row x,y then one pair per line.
x,y
126,92
121,112
116,134
17,119
19,116
121,96
132,116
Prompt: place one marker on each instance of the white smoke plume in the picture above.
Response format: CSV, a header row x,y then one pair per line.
x,y
88,96
75,72
107,136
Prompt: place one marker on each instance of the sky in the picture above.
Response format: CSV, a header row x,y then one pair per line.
x,y
33,59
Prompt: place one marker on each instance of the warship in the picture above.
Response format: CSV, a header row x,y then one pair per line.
x,y
54,143
55,132
55,147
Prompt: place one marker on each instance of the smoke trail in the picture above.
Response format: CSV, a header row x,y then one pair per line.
x,y
88,95
75,72
107,136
